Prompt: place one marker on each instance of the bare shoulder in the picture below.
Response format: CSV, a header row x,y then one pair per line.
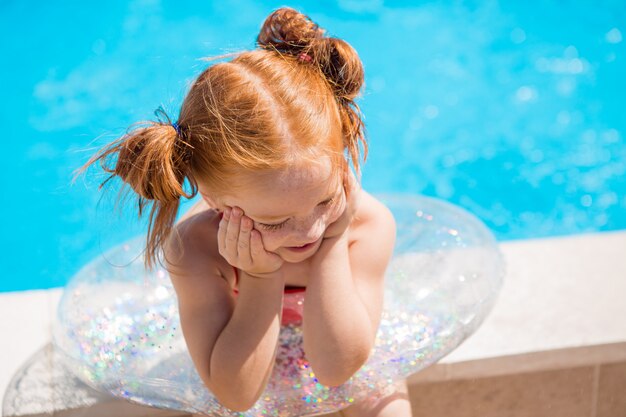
x,y
191,240
372,238
373,220
191,249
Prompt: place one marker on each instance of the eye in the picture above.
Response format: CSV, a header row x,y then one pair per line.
x,y
272,226
328,202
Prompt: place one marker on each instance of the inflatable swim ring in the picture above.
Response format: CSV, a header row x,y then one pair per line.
x,y
118,327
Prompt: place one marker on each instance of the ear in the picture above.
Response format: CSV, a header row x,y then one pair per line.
x,y
350,182
212,202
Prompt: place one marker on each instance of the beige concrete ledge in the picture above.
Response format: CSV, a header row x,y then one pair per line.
x,y
558,324
549,360
559,293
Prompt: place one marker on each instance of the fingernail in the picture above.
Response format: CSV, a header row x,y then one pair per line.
x,y
236,212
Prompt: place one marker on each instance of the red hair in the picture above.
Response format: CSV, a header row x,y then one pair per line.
x,y
289,100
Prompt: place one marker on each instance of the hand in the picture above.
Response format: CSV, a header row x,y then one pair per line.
x,y
242,246
352,192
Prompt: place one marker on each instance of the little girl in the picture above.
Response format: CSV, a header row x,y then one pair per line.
x,y
265,138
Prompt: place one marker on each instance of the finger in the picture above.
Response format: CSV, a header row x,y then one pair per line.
x,y
243,244
257,249
221,231
232,232
227,212
256,245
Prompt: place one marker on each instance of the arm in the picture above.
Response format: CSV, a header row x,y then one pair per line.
x,y
243,355
344,298
231,342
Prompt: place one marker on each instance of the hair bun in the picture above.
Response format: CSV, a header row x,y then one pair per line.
x,y
288,30
343,68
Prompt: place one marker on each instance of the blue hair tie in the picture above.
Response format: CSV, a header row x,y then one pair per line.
x,y
176,128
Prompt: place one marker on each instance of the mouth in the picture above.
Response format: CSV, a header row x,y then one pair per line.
x,y
302,248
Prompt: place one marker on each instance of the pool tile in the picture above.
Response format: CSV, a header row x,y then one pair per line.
x,y
559,393
436,372
612,390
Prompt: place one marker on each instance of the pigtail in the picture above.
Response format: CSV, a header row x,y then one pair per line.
x,y
288,31
343,69
153,160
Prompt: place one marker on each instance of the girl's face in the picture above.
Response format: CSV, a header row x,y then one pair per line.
x,y
292,209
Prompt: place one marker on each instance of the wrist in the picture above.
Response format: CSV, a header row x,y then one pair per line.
x,y
336,239
274,276
330,249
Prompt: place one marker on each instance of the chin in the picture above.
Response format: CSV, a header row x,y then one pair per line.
x,y
294,258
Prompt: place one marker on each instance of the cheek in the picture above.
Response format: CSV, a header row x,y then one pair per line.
x,y
337,210
271,238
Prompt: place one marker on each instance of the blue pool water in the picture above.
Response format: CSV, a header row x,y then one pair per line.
x,y
514,113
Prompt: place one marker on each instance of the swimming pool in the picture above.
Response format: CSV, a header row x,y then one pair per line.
x,y
511,112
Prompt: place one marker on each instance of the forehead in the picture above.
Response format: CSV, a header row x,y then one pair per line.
x,y
307,179
282,193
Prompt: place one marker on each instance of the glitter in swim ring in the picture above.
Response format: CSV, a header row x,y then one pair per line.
x,y
118,327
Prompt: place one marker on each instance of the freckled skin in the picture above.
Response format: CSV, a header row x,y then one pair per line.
x,y
349,237
292,200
